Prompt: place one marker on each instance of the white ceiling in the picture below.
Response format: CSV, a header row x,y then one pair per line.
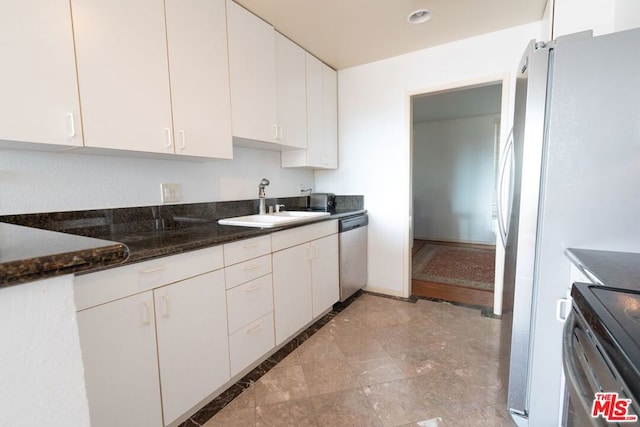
x,y
345,33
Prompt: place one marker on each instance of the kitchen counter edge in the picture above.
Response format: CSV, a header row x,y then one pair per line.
x,y
609,268
64,253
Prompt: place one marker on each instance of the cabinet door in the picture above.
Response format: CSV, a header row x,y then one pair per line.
x,y
199,68
315,121
329,117
248,344
193,350
252,75
324,273
291,290
39,101
121,51
322,120
291,93
118,342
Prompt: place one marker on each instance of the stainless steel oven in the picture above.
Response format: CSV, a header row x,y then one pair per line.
x,y
601,357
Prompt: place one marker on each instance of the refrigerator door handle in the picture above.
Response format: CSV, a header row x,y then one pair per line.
x,y
507,154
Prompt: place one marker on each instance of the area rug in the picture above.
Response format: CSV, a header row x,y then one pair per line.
x,y
455,265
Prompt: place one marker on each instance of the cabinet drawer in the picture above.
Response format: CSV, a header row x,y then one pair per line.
x,y
241,273
246,249
249,343
248,302
296,236
108,285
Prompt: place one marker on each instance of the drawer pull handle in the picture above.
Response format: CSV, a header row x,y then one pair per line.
x,y
251,289
251,267
147,314
152,269
250,245
254,329
167,308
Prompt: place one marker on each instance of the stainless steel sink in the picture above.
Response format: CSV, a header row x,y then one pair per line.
x,y
273,219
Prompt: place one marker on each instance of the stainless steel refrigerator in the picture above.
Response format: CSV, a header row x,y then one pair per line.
x,y
573,170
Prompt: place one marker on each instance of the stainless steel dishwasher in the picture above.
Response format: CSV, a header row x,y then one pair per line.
x,y
353,254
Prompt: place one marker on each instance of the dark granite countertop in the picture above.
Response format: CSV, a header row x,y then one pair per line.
x,y
610,268
144,245
28,254
49,244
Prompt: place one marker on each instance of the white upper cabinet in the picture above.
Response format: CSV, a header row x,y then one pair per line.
x,y
124,71
329,118
291,93
121,51
252,67
39,101
322,120
199,69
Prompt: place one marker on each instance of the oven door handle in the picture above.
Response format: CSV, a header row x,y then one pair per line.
x,y
580,391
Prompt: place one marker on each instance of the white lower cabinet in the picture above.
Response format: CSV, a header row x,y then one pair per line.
x,y
154,337
161,336
119,353
291,290
305,276
325,287
250,343
249,301
193,352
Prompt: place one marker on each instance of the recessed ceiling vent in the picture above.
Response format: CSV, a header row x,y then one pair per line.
x,y
419,16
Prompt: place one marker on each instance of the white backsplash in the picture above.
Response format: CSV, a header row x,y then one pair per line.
x,y
33,181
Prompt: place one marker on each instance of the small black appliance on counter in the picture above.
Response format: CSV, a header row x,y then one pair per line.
x,y
325,202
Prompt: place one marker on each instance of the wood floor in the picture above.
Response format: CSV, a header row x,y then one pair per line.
x,y
449,292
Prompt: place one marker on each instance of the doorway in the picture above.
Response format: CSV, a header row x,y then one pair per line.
x,y
455,155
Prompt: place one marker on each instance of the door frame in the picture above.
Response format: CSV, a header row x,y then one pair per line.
x,y
506,120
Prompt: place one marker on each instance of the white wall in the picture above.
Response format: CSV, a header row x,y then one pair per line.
x,y
374,135
453,179
601,16
47,182
41,369
627,15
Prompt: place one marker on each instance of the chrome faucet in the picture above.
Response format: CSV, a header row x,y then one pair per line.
x,y
263,183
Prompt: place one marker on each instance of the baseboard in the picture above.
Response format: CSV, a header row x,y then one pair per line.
x,y
453,293
383,291
480,245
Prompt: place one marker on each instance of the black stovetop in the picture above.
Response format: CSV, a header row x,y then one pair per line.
x,y
613,314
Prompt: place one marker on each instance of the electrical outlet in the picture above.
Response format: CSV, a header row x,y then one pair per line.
x,y
171,193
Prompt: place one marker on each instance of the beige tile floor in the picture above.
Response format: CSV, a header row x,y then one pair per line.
x,y
383,362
